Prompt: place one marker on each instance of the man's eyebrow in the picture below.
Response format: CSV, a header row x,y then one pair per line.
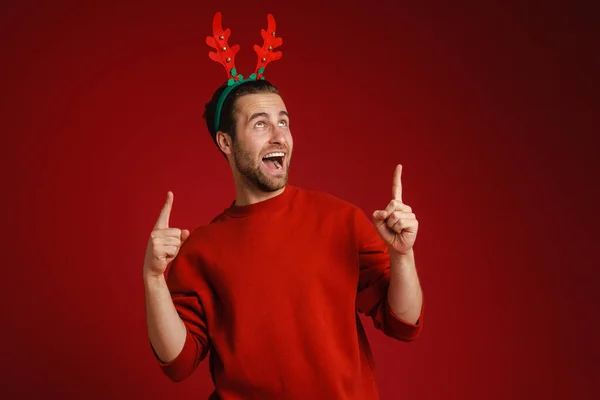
x,y
264,114
256,115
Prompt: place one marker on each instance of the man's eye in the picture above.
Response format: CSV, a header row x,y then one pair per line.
x,y
260,124
283,123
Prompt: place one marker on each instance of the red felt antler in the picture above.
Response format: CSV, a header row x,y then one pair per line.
x,y
266,53
224,54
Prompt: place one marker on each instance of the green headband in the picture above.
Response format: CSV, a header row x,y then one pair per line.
x,y
228,89
225,55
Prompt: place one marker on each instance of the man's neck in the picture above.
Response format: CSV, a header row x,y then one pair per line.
x,y
246,195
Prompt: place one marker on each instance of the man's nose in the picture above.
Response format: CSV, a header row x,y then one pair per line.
x,y
278,135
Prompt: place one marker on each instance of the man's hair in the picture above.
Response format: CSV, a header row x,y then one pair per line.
x,y
227,123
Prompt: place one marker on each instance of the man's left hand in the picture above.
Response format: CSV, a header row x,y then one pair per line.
x,y
397,225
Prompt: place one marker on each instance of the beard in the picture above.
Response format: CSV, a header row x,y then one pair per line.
x,y
251,171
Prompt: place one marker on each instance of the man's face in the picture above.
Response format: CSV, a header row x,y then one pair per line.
x,y
263,144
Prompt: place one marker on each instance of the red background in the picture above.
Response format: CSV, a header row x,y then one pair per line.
x,y
488,107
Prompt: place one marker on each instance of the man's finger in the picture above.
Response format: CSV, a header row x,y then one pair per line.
x,y
165,213
184,235
167,252
379,215
166,232
379,221
397,186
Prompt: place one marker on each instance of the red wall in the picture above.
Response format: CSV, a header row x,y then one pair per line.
x,y
488,107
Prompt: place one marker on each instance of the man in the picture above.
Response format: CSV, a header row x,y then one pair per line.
x,y
272,286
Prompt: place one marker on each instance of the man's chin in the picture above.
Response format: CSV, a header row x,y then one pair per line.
x,y
272,183
264,180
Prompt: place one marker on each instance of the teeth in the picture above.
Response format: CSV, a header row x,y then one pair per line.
x,y
277,164
274,155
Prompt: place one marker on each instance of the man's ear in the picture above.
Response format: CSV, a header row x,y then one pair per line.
x,y
224,142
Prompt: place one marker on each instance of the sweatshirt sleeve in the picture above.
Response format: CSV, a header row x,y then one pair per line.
x,y
374,280
184,285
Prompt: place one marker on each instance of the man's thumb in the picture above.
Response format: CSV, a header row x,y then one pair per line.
x,y
379,215
184,235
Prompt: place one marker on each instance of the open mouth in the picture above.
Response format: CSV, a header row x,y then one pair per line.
x,y
274,161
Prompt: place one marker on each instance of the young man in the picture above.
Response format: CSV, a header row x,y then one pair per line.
x,y
272,287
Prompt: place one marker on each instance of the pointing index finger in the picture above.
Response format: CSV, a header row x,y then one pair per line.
x,y
397,185
165,213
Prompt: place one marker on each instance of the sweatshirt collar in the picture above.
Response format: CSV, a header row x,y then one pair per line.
x,y
269,205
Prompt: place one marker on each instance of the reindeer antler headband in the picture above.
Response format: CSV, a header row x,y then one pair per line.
x,y
226,55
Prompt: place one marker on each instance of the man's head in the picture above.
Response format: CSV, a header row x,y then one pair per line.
x,y
253,134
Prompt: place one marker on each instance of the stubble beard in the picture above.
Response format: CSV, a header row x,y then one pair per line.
x,y
251,171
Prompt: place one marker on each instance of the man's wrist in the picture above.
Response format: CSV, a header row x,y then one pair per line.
x,y
394,255
153,280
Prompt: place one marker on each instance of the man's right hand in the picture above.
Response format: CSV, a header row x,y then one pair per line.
x,y
164,242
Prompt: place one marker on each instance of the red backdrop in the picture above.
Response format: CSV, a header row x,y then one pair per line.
x,y
488,107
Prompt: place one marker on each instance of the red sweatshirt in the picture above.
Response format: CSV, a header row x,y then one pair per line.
x,y
272,291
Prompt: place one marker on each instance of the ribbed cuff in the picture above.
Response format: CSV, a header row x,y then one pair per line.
x,y
399,328
182,366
